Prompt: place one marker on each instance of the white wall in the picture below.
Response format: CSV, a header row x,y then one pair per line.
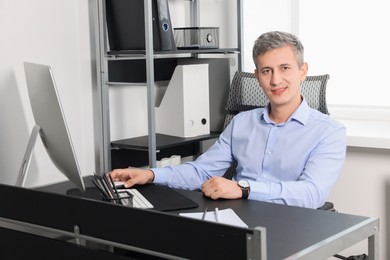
x,y
53,32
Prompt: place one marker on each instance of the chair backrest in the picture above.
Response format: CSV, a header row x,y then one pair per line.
x,y
246,94
314,91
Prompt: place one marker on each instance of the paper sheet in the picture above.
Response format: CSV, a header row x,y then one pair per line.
x,y
225,216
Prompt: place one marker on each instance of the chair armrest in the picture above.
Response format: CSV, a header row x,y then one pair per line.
x,y
327,206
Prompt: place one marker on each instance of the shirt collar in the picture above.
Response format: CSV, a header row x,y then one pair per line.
x,y
300,115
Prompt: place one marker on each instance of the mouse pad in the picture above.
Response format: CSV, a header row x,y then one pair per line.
x,y
162,197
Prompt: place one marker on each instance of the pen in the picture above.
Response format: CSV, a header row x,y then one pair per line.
x,y
216,214
204,214
103,182
97,184
113,185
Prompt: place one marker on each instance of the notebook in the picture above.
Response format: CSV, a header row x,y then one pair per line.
x,y
226,216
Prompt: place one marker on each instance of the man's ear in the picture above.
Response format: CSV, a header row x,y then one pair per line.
x,y
304,70
256,75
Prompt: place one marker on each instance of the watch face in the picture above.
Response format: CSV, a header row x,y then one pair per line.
x,y
243,183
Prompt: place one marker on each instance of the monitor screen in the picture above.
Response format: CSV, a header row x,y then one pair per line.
x,y
50,122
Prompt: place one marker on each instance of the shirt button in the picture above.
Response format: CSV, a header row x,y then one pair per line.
x,y
268,152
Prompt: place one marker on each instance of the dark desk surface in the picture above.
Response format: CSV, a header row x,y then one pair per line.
x,y
291,231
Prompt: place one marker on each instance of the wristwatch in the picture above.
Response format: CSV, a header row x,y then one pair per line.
x,y
244,185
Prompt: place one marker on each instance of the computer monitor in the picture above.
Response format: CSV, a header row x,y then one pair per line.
x,y
50,125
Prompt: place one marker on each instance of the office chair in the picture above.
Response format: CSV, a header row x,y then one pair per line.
x,y
246,94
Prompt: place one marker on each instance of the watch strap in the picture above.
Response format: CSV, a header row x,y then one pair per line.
x,y
245,193
244,188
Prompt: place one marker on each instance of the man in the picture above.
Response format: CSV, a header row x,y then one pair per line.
x,y
286,153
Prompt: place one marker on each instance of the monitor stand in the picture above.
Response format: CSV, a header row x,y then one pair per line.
x,y
21,179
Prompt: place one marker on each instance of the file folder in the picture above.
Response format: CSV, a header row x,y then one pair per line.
x,y
126,25
165,26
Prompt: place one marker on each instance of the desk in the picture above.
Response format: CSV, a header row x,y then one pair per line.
x,y
292,232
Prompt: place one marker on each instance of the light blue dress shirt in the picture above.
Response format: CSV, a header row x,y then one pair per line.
x,y
293,163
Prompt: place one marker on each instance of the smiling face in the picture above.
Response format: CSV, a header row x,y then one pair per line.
x,y
280,76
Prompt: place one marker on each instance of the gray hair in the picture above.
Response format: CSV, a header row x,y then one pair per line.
x,y
273,40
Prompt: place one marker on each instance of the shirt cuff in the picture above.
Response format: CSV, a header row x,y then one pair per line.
x,y
159,176
262,191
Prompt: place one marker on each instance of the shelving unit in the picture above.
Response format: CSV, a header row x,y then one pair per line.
x,y
109,64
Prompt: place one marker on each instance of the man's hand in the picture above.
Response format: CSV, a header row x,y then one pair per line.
x,y
132,176
219,187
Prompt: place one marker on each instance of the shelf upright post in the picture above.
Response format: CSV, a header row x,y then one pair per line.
x,y
195,10
103,138
195,17
150,82
240,33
